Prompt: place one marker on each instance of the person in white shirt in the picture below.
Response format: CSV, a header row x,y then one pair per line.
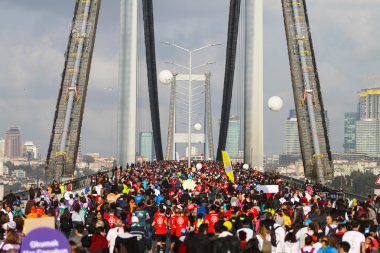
x,y
113,233
263,234
280,237
304,232
330,224
291,244
247,230
354,237
306,208
8,211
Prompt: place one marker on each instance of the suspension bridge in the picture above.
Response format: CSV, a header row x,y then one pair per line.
x,y
70,107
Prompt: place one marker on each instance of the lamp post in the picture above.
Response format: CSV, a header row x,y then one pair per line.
x,y
189,51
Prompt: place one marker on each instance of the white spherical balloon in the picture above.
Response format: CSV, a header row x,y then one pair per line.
x,y
198,166
275,103
197,126
165,76
245,166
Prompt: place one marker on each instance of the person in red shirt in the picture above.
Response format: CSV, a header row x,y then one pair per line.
x,y
98,240
110,218
160,222
211,218
173,227
180,222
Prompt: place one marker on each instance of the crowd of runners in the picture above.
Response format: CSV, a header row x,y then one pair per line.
x,y
167,207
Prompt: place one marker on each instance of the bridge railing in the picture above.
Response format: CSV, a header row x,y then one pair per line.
x,y
76,184
332,194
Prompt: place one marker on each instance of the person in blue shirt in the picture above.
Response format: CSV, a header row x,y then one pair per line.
x,y
138,198
159,198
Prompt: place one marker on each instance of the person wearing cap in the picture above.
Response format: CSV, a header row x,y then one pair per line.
x,y
9,225
304,232
136,228
139,231
354,237
308,245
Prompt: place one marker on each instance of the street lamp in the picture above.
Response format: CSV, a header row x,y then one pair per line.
x,y
190,68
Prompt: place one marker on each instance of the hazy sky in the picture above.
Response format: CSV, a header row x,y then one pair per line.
x,y
34,37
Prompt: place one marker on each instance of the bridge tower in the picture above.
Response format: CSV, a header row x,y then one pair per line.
x,y
64,141
314,142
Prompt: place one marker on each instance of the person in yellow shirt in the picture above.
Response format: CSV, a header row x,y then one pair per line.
x,y
286,218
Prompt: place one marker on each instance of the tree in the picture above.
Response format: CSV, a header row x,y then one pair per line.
x,y
88,159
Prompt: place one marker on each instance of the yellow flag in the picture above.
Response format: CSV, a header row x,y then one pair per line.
x,y
227,166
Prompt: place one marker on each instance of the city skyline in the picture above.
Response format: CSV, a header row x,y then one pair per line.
x,y
34,58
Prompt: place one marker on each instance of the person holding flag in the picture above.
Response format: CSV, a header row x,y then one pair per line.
x,y
228,166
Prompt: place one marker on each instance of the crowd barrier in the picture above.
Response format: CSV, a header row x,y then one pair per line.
x,y
76,184
331,193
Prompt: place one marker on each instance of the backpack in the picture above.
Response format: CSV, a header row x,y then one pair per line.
x,y
332,231
267,247
273,239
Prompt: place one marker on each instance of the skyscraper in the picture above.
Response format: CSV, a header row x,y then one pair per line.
x,y
30,151
233,137
369,103
13,143
2,148
350,119
146,146
292,142
367,137
367,132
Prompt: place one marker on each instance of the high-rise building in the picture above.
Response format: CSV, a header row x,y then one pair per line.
x,y
4,170
2,148
233,137
369,103
146,146
30,151
367,137
13,143
367,124
350,119
292,142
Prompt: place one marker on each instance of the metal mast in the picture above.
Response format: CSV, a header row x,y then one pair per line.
x,y
150,52
312,129
209,141
253,79
126,122
232,34
64,141
171,125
